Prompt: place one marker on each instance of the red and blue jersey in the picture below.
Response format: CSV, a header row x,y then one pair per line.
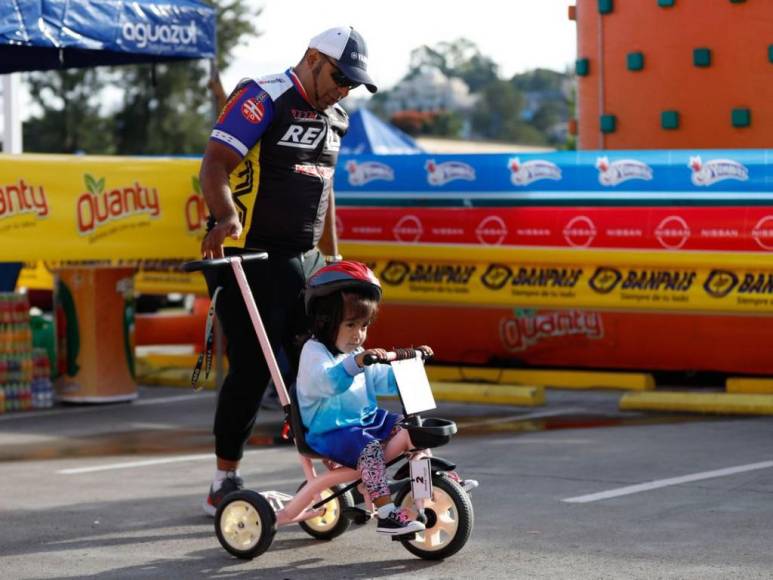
x,y
281,188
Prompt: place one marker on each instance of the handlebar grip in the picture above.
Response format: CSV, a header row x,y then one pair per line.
x,y
370,359
198,265
397,354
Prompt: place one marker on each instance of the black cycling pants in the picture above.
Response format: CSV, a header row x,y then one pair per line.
x,y
277,285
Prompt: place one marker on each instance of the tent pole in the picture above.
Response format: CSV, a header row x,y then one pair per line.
x,y
11,114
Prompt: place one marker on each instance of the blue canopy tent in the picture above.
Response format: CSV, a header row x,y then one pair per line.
x,y
370,135
55,34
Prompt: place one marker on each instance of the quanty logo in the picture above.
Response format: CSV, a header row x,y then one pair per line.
x,y
520,332
613,173
531,171
97,207
367,171
145,33
442,173
716,170
195,209
20,198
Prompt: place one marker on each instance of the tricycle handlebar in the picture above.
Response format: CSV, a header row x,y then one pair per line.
x,y
198,265
397,354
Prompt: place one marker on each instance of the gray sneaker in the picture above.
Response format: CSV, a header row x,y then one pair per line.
x,y
232,482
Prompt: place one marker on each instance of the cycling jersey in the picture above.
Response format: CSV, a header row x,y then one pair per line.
x,y
282,186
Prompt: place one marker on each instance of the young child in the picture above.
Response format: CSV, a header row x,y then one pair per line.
x,y
337,392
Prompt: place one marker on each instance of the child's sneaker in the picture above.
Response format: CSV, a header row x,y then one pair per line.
x,y
467,484
398,523
232,482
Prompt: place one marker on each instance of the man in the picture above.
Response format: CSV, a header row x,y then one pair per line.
x,y
267,178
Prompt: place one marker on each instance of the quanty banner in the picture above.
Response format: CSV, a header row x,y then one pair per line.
x,y
99,208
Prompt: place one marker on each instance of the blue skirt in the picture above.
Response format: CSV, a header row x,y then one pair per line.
x,y
345,445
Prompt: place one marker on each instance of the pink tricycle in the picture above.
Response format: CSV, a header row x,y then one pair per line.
x,y
324,504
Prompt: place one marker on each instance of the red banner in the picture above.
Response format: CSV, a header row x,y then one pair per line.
x,y
729,229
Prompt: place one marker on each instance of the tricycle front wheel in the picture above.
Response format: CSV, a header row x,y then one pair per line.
x,y
449,519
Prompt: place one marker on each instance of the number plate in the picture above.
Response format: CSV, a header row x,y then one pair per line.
x,y
421,478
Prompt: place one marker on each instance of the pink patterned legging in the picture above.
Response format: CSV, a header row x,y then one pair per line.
x,y
372,467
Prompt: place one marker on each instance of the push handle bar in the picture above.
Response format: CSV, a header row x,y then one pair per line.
x,y
397,354
198,265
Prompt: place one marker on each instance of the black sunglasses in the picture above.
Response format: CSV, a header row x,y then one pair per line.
x,y
340,78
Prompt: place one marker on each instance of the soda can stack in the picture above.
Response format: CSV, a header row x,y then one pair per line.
x,y
16,362
41,388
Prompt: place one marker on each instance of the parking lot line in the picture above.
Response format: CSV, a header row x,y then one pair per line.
x,y
144,463
101,408
650,485
519,417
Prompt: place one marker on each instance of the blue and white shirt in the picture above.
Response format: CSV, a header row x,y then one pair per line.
x,y
333,392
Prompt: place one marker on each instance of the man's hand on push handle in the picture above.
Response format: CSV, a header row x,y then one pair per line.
x,y
212,244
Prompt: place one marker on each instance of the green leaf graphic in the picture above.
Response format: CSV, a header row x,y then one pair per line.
x,y
91,184
196,184
101,185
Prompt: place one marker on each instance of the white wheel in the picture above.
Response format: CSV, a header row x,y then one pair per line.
x,y
331,523
245,524
449,519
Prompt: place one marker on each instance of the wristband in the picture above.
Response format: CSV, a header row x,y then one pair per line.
x,y
333,259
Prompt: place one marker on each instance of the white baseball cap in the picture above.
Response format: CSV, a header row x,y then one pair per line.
x,y
347,47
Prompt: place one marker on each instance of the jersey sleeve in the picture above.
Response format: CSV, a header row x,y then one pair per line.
x,y
245,117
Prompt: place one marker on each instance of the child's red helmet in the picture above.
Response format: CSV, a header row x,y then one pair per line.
x,y
340,276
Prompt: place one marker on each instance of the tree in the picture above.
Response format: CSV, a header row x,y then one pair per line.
x,y
173,114
70,122
460,58
164,108
497,111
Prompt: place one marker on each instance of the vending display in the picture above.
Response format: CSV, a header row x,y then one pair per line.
x,y
25,381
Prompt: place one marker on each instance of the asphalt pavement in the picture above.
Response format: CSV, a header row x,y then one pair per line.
x,y
574,489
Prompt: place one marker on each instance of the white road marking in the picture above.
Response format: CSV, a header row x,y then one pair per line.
x,y
521,417
147,462
658,483
526,440
102,408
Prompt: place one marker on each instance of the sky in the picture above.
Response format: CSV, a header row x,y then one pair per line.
x,y
518,35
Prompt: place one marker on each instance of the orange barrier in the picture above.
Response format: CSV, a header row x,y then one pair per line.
x,y
162,328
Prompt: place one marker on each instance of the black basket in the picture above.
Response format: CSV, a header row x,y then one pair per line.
x,y
430,432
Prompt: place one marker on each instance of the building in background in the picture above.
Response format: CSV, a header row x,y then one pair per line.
x,y
430,91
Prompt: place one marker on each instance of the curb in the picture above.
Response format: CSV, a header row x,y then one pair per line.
x,y
749,385
719,403
488,394
563,379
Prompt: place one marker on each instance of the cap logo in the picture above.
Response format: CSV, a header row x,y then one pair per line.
x,y
357,56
